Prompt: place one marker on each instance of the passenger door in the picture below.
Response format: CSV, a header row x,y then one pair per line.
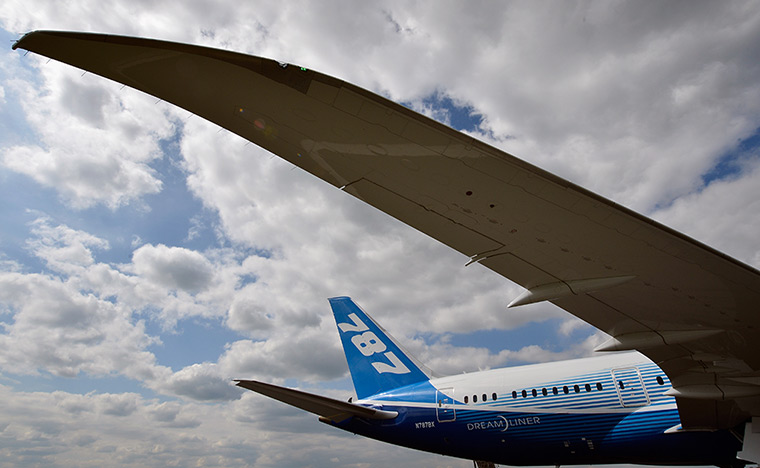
x,y
444,410
630,387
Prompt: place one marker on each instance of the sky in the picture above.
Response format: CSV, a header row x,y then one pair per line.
x,y
148,257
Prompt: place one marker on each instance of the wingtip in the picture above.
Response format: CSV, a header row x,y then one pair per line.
x,y
30,39
20,40
244,383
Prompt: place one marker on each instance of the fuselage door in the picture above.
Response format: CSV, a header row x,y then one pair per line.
x,y
630,387
444,408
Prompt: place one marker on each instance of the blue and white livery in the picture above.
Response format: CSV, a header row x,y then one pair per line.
x,y
607,409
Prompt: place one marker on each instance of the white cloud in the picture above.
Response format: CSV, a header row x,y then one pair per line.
x,y
571,325
350,248
636,109
725,215
129,430
63,248
67,332
119,404
312,356
170,414
83,126
447,359
173,267
201,382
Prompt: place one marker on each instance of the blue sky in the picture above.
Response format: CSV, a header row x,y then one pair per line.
x,y
730,164
149,257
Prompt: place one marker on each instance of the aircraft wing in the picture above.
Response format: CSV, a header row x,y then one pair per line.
x,y
327,408
690,308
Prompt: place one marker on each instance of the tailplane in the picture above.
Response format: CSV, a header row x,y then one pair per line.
x,y
376,361
327,408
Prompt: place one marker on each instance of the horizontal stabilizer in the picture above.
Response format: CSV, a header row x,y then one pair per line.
x,y
333,410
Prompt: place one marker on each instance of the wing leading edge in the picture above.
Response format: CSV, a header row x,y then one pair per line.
x,y
690,308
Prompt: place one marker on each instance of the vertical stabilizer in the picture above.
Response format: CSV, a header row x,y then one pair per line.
x,y
376,361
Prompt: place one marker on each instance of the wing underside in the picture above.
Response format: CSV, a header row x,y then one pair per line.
x,y
690,308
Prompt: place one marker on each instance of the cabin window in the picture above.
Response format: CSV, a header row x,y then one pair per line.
x,y
474,398
485,398
534,392
599,386
493,396
555,391
466,399
544,392
564,389
577,389
514,394
588,387
660,381
524,394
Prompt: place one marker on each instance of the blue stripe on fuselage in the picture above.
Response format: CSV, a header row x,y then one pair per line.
x,y
520,438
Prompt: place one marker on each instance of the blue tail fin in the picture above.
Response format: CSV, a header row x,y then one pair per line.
x,y
377,363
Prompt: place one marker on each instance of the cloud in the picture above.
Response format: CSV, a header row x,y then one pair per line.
x,y
173,267
82,127
63,248
638,111
170,415
349,247
123,404
723,215
127,429
85,101
311,357
447,359
201,382
84,316
65,332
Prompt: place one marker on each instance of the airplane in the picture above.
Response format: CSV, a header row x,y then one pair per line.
x,y
685,388
612,409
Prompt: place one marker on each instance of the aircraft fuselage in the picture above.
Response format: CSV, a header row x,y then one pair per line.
x,y
609,410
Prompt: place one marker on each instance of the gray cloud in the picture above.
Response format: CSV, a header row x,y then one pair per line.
x,y
62,248
81,129
122,404
173,267
171,415
201,382
86,102
636,101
